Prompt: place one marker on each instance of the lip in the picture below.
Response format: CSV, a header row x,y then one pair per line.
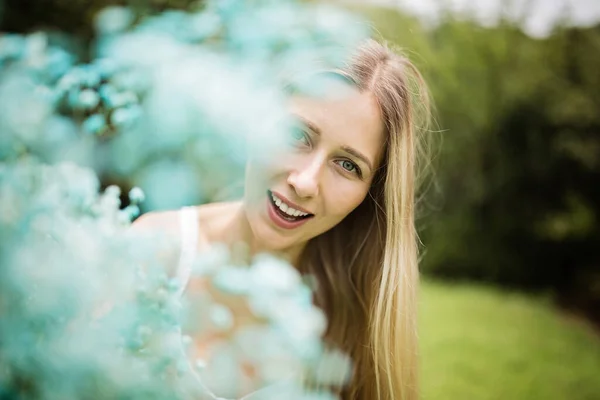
x,y
278,220
289,203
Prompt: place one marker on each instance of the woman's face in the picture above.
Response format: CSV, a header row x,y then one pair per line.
x,y
323,174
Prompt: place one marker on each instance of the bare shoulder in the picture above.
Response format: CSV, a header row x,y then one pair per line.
x,y
162,221
162,229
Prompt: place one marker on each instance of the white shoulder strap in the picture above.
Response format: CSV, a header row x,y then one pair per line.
x,y
189,241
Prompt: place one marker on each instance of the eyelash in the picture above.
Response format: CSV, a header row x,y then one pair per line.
x,y
304,136
357,171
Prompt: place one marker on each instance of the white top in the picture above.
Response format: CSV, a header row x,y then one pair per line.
x,y
189,243
188,217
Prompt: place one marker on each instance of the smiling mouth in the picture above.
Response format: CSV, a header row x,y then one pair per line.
x,y
286,212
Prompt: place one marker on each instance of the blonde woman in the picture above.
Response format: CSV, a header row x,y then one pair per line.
x,y
340,205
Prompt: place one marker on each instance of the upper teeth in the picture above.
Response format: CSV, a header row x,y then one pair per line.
x,y
292,212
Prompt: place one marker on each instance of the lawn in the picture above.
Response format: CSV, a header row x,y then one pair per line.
x,y
484,343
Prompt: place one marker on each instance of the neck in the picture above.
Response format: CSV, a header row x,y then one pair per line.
x,y
235,231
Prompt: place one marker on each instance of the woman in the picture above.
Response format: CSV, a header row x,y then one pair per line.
x,y
340,205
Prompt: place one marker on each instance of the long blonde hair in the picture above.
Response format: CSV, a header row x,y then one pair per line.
x,y
367,266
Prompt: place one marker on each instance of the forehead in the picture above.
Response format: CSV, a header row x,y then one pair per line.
x,y
348,118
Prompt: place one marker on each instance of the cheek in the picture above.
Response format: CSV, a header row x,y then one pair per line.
x,y
253,183
260,175
265,166
343,198
258,172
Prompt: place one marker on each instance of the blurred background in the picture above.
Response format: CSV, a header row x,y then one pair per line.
x,y
510,305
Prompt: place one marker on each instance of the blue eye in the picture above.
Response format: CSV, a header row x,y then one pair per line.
x,y
350,167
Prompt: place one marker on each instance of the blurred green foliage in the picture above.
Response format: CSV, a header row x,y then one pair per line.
x,y
517,186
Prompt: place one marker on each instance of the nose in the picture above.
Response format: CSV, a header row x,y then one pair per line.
x,y
305,178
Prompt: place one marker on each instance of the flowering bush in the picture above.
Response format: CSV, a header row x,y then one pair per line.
x,y
87,307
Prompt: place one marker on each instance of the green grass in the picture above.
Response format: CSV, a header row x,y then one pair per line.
x,y
483,343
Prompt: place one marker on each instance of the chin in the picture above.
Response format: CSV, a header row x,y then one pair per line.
x,y
273,240
263,232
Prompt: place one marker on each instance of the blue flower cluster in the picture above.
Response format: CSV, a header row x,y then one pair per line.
x,y
94,94
87,305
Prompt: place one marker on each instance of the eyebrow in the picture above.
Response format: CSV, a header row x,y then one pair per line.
x,y
309,124
347,149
